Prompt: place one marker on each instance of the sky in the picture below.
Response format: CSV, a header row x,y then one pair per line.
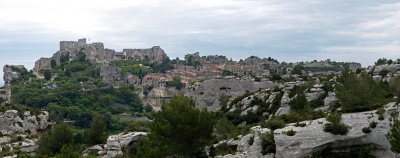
x,y
288,30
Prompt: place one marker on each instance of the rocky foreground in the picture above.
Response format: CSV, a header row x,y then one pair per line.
x,y
312,140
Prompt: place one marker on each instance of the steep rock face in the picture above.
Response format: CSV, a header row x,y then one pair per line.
x,y
10,73
207,93
153,55
11,122
15,130
114,145
41,64
109,74
311,139
157,96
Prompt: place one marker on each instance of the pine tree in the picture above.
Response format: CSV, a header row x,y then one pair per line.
x,y
394,136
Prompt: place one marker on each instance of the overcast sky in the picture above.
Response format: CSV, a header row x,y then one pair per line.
x,y
288,30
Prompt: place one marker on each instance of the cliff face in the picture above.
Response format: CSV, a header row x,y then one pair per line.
x,y
207,93
10,73
153,55
19,130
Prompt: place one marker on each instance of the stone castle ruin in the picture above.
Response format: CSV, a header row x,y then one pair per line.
x,y
97,54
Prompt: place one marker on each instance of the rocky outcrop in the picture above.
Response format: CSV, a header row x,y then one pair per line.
x,y
311,139
157,96
243,148
207,93
153,55
389,68
11,72
19,130
114,145
42,64
11,122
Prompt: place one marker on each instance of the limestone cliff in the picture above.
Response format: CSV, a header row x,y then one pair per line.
x,y
207,93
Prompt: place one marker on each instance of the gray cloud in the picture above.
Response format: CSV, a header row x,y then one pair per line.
x,y
289,30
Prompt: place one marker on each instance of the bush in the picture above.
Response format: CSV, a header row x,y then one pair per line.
x,y
373,124
251,140
96,134
300,124
299,103
268,144
224,129
222,149
335,126
366,130
179,129
381,117
380,111
273,123
53,141
394,136
359,93
290,132
337,129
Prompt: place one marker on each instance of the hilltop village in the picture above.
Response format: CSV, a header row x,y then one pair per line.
x,y
152,82
118,103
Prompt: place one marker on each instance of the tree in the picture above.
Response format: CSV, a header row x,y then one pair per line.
x,y
96,134
359,93
178,130
299,102
381,61
82,56
176,82
394,135
53,63
47,74
297,70
53,141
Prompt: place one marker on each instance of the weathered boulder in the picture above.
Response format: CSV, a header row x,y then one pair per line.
x,y
390,68
311,139
246,150
11,122
114,145
285,107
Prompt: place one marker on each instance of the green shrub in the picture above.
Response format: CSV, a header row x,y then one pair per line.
x,y
380,111
394,136
276,103
366,130
224,129
300,124
337,129
335,126
359,92
268,144
373,124
299,103
381,117
273,123
290,132
251,140
222,149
